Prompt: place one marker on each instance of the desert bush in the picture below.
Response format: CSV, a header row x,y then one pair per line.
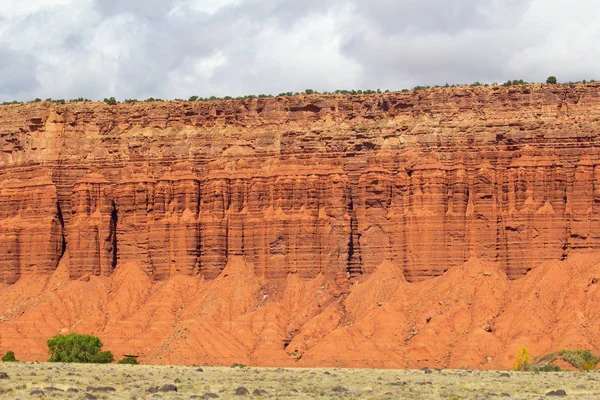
x,y
522,362
551,80
111,101
547,368
9,357
128,360
103,357
77,348
580,359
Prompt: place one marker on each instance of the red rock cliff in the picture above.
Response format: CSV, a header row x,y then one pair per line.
x,y
308,201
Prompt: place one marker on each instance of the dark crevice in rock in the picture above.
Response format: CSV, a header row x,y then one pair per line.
x,y
114,219
61,221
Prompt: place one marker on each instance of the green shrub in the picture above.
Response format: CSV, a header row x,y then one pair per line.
x,y
103,357
129,360
237,365
9,357
581,359
110,101
77,348
551,80
547,368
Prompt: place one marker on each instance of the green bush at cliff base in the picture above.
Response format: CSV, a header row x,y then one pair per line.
x,y
581,359
128,360
77,348
9,357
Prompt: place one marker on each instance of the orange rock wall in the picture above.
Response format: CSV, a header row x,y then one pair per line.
x,y
332,185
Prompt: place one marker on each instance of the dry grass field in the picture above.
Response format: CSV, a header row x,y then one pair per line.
x,y
89,381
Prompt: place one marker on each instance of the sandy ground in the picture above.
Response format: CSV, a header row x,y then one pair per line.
x,y
134,382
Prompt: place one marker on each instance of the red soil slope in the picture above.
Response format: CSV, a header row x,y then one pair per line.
x,y
443,227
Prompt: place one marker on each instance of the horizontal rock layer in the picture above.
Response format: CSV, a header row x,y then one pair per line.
x,y
332,185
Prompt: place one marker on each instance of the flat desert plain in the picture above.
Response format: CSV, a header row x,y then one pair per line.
x,y
89,381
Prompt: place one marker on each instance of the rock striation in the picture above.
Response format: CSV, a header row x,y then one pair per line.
x,y
317,187
308,185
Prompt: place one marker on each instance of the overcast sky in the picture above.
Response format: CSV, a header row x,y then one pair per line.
x,y
170,49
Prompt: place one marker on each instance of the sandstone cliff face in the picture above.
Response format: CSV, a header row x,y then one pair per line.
x,y
326,189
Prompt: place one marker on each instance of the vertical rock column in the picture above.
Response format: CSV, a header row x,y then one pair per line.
x,y
214,196
134,203
457,239
482,215
174,231
335,227
91,229
31,230
426,250
375,224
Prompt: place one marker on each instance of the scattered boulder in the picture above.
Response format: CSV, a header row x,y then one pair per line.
x,y
241,391
177,380
153,389
89,396
199,370
4,375
339,389
557,393
209,395
504,375
426,370
37,392
168,388
259,392
103,389
72,390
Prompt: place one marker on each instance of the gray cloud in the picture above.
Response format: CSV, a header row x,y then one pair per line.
x,y
142,48
17,72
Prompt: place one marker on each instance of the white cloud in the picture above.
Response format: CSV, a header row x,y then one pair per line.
x,y
205,6
206,67
307,54
142,48
20,8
